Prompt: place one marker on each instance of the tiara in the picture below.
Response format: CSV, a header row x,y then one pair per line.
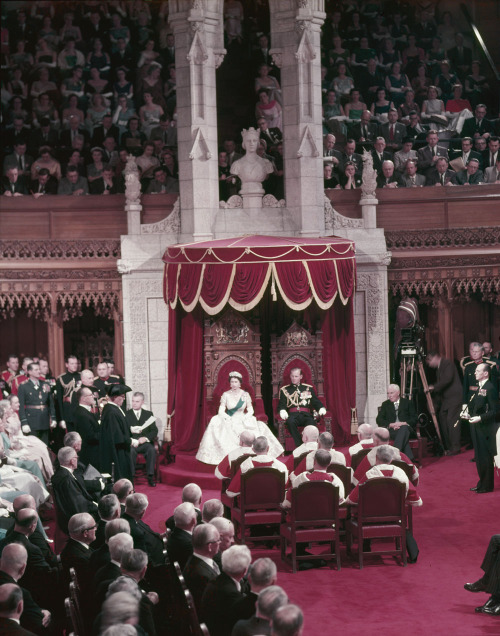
x,y
235,374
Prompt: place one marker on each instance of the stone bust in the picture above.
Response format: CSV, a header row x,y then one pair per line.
x,y
251,169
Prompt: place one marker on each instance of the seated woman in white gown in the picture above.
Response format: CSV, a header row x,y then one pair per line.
x,y
223,431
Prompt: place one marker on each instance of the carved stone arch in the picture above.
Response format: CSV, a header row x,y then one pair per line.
x,y
37,304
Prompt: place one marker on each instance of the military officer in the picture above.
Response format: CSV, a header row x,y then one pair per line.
x,y
36,406
87,380
296,404
10,373
469,369
103,379
22,377
66,384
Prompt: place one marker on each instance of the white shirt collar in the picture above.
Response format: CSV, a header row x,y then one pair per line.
x,y
483,382
207,560
68,469
238,584
86,407
84,544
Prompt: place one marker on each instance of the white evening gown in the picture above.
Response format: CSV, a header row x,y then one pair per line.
x,y
223,430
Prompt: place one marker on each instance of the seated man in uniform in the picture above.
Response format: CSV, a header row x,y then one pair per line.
x,y
398,414
297,403
143,429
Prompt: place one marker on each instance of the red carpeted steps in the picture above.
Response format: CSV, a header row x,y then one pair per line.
x,y
186,469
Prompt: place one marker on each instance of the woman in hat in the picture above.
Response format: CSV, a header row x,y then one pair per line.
x,y
115,435
235,415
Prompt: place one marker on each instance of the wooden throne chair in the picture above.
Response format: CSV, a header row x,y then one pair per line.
x,y
298,347
232,343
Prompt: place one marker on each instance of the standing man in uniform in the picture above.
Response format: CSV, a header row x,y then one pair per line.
x,y
86,379
447,394
103,379
296,404
143,429
22,377
36,406
469,366
10,373
482,408
66,384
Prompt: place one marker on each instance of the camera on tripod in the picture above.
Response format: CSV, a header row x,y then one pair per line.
x,y
410,344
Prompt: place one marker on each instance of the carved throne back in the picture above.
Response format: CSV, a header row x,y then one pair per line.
x,y
232,343
297,347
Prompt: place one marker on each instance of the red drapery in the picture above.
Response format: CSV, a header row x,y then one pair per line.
x,y
205,277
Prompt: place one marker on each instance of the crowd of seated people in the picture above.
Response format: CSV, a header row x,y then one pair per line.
x,y
392,76
83,86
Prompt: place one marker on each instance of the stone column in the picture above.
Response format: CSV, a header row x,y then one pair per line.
x,y
198,30
295,42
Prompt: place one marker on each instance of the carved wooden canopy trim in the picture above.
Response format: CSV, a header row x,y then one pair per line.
x,y
37,303
56,249
453,237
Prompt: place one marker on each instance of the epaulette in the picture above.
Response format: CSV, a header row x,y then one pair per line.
x,y
96,377
115,376
304,384
467,363
284,387
490,362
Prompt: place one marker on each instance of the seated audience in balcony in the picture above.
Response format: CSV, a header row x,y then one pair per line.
x,y
389,54
476,85
492,174
446,80
16,84
94,169
410,178
465,154
98,84
361,55
43,84
389,178
429,154
397,84
73,184
17,110
412,55
439,175
70,57
435,55
74,157
269,109
381,106
329,180
354,107
19,158
350,180
13,185
470,176
420,83
433,108
106,183
460,56
161,183
406,153
43,108
457,104
379,154
478,126
365,131
350,154
343,83
96,112
408,106
46,160
393,132
46,135
370,80
43,183
491,153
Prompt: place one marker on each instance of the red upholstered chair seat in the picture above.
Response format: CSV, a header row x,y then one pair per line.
x,y
259,503
313,517
381,513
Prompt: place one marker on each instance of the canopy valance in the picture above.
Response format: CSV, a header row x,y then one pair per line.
x,y
238,271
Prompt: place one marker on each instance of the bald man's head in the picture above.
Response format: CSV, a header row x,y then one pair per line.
x,y
381,436
310,433
365,431
24,501
14,559
11,601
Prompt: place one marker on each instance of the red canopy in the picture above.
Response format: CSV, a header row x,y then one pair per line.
x,y
202,278
238,270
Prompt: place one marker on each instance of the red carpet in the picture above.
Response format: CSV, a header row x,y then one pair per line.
x,y
452,530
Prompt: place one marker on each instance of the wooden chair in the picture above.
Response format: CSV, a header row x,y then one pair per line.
x,y
72,616
299,458
313,518
344,473
409,472
358,457
232,343
235,466
140,462
380,514
74,594
297,347
196,628
262,493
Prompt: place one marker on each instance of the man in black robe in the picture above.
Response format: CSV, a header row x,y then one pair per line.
x,y
115,435
87,425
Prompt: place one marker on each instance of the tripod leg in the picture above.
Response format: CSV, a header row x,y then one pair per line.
x,y
428,397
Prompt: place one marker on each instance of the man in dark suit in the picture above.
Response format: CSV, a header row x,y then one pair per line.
x,y
478,126
492,154
416,130
350,154
465,153
67,136
70,496
191,493
490,581
393,132
389,178
144,537
470,176
440,175
13,184
108,509
180,543
222,593
101,556
36,406
272,136
428,155
460,57
447,394
261,574
482,408
43,136
144,431
268,601
297,402
119,544
123,56
77,551
39,578
201,567
45,183
11,609
398,414
411,179
87,425
106,129
379,154
19,159
12,567
365,131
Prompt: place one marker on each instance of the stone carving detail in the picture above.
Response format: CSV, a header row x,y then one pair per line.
x,y
277,56
231,330
307,147
198,53
270,201
369,184
302,4
56,274
334,220
60,249
132,182
123,267
169,225
234,201
251,169
459,288
305,51
455,237
200,149
219,56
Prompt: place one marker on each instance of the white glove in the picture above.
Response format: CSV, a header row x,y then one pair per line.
x,y
322,411
101,481
135,430
4,512
62,424
26,429
135,443
284,414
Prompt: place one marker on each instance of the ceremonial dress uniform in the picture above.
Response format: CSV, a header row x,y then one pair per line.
x,y
102,384
483,403
299,401
7,378
66,384
470,386
16,383
36,408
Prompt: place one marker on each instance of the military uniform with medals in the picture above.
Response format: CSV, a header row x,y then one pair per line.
x,y
102,385
299,401
470,387
66,384
36,408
